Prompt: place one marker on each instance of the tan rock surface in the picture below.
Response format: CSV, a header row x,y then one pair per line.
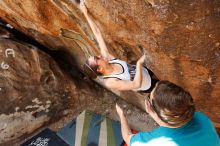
x,y
181,38
33,89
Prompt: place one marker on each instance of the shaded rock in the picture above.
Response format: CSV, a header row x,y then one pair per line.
x,y
33,89
181,38
4,33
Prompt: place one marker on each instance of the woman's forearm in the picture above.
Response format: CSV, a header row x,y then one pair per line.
x,y
138,76
92,24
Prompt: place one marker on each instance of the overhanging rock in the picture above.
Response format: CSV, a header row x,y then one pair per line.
x,y
181,38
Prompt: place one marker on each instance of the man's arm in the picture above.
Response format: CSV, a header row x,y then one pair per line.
x,y
128,85
125,129
103,48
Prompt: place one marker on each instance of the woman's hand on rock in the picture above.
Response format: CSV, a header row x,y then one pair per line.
x,y
142,59
83,7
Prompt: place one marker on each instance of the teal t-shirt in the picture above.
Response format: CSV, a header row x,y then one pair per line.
x,y
197,132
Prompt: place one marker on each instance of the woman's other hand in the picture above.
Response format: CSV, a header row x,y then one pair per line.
x,y
142,59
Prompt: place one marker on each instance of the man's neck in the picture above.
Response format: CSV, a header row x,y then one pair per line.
x,y
162,123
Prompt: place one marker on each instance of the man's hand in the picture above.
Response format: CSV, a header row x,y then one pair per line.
x,y
83,7
119,110
125,129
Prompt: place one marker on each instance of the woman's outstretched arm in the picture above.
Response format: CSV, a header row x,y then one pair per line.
x,y
103,48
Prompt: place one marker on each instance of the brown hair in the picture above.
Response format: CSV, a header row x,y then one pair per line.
x,y
91,69
172,103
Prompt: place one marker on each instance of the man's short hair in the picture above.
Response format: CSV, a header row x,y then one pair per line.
x,y
172,103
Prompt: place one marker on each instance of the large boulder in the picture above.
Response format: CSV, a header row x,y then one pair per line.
x,y
33,89
181,38
37,91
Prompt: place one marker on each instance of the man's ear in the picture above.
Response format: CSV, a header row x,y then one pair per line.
x,y
147,106
151,111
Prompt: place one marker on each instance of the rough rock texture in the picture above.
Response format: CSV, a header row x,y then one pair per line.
x,y
59,25
36,91
181,38
33,89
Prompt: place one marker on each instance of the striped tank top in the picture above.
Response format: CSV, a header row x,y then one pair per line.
x,y
128,73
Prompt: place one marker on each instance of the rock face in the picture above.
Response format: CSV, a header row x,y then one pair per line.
x,y
36,91
32,89
181,38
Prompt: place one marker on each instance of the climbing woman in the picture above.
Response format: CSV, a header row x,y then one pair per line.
x,y
117,74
